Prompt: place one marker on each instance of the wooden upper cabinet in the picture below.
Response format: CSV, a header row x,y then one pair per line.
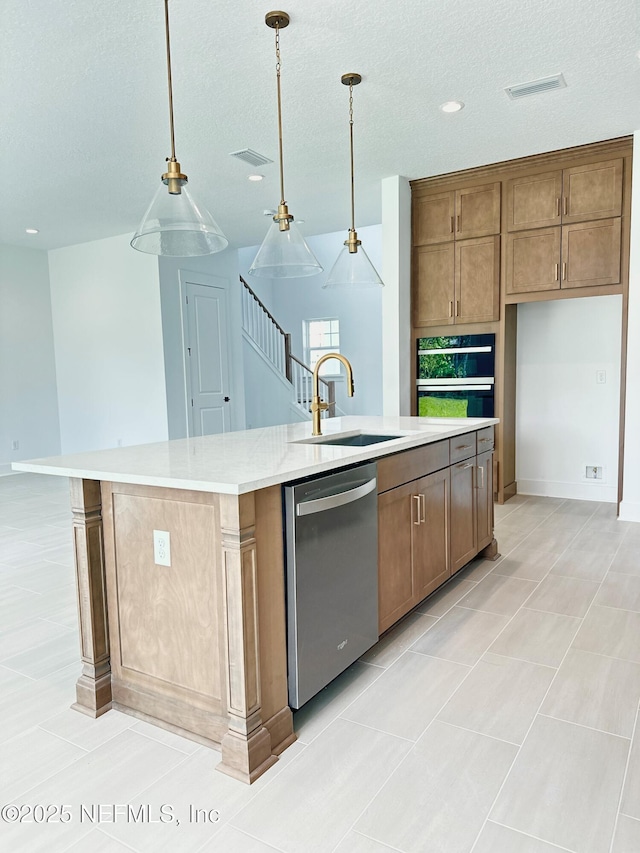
x,y
433,219
591,253
533,260
592,192
534,201
457,282
477,279
433,288
565,196
456,214
477,211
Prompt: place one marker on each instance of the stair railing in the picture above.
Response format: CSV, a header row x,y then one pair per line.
x,y
269,336
262,327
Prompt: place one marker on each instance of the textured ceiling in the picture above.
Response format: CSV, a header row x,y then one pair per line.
x,y
84,108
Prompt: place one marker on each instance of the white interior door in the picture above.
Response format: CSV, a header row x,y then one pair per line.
x,y
207,358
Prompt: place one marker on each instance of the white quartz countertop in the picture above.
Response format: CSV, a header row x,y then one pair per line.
x,y
240,462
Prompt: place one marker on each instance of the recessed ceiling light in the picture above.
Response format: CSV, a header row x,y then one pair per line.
x,y
32,230
451,106
256,177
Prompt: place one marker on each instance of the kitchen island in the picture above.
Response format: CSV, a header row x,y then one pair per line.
x,y
181,577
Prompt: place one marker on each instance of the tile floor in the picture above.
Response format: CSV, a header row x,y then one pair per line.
x,y
500,717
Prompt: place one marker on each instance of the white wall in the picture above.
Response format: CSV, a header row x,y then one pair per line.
x,y
28,397
223,270
630,505
564,418
268,394
107,330
360,313
397,350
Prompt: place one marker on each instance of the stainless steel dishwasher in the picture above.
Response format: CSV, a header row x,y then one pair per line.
x,y
332,576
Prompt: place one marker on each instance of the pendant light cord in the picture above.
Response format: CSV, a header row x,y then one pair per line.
x,y
353,204
278,66
166,27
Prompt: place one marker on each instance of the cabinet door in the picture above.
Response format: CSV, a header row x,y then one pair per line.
x,y
484,499
591,253
430,537
397,517
433,218
533,260
463,528
534,201
592,192
478,211
433,285
477,278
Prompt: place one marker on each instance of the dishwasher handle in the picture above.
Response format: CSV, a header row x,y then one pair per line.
x,y
333,501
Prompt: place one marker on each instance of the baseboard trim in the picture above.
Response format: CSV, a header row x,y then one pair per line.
x,y
571,491
629,511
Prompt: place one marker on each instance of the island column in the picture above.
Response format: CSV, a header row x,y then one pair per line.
x,y
246,747
93,688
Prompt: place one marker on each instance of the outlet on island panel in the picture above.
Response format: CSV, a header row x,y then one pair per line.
x,y
161,548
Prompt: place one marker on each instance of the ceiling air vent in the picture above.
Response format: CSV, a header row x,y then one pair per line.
x,y
248,155
535,87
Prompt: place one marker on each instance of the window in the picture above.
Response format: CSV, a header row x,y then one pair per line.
x,y
320,337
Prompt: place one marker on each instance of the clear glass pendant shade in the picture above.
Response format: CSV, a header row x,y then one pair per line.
x,y
284,254
353,269
176,225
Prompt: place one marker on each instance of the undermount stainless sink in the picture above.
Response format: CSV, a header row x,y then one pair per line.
x,y
361,439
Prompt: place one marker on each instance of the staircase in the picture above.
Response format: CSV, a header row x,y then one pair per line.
x,y
268,336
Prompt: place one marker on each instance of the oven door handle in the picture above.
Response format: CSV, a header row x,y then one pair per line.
x,y
424,387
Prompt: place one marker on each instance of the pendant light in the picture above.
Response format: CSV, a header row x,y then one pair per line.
x,y
284,252
352,269
174,223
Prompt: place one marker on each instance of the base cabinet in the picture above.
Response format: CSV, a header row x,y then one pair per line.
x,y
432,526
413,522
463,514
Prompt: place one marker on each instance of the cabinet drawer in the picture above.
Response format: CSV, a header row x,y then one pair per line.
x,y
462,447
484,439
412,464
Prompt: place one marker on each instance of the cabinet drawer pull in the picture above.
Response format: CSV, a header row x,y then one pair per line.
x,y
457,307
485,439
480,485
557,270
450,308
565,206
415,498
464,465
423,508
451,228
558,206
564,270
465,446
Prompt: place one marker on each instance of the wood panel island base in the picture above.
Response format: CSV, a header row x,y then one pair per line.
x,y
181,573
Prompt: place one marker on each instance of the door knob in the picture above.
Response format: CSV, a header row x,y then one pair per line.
x,y
226,399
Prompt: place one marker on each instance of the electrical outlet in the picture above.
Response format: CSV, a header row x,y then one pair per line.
x,y
593,472
161,548
15,445
119,442
601,377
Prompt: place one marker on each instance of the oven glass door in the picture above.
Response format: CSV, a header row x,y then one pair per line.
x,y
456,357
444,401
